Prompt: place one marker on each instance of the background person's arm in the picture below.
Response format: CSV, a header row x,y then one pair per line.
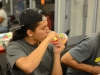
x,y
1,19
68,60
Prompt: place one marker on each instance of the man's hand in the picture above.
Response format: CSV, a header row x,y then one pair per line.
x,y
96,70
59,47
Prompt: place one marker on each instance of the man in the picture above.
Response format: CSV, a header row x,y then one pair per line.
x,y
30,51
3,20
84,58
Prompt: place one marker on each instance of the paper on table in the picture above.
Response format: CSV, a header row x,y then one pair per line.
x,y
5,37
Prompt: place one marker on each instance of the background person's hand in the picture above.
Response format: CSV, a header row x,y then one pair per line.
x,y
96,70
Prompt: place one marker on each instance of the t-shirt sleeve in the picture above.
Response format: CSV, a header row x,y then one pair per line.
x,y
14,52
51,49
82,51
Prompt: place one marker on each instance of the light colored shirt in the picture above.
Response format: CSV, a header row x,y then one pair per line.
x,y
4,16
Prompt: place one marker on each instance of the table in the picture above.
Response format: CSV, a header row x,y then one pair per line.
x,y
2,50
4,38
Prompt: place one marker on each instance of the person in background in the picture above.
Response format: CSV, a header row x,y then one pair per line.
x,y
30,51
3,20
21,5
84,58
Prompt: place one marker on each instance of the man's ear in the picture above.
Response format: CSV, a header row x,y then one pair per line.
x,y
29,32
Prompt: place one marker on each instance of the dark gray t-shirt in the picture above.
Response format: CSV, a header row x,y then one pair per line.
x,y
21,48
87,51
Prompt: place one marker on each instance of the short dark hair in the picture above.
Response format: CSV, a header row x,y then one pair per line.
x,y
0,4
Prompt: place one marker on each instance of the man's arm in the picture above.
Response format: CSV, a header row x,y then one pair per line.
x,y
68,60
57,70
31,62
1,19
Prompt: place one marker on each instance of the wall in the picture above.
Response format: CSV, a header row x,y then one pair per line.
x,y
90,18
98,19
90,14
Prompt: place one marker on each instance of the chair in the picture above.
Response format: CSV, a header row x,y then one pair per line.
x,y
7,72
67,33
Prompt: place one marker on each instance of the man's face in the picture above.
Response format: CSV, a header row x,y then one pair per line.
x,y
41,31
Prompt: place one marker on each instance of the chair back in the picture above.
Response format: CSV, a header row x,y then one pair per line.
x,y
67,32
7,72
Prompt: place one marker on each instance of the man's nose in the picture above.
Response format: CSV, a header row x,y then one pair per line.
x,y
47,30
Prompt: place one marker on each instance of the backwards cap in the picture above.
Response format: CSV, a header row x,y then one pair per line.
x,y
30,16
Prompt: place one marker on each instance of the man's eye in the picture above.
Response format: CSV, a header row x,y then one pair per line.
x,y
43,28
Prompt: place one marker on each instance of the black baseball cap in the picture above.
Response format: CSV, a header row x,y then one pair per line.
x,y
30,16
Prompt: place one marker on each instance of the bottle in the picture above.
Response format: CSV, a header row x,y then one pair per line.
x,y
62,38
